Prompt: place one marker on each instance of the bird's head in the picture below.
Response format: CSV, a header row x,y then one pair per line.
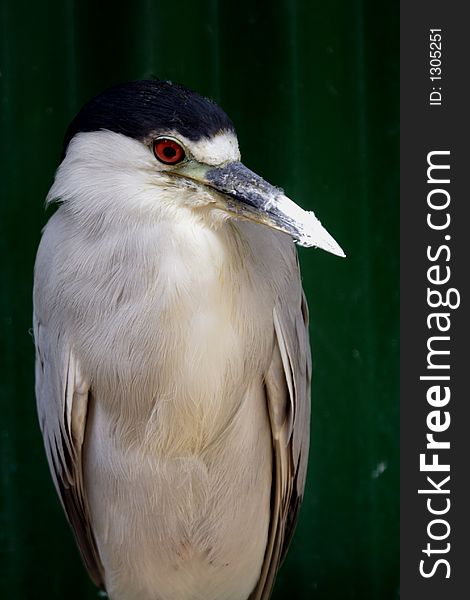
x,y
156,147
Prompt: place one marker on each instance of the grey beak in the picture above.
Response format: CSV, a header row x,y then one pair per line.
x,y
270,203
251,197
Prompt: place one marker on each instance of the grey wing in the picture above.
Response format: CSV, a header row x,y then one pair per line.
x,y
62,397
288,399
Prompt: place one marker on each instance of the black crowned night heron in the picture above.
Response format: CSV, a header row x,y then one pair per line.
x,y
173,362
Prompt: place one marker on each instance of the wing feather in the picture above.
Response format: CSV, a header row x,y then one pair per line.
x,y
63,396
288,399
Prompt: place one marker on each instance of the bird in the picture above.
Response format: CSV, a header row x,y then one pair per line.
x,y
173,363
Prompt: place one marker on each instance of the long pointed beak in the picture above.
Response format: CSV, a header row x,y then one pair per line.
x,y
251,197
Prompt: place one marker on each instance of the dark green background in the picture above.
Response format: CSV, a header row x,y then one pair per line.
x,y
312,88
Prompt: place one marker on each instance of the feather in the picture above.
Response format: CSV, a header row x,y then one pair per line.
x,y
288,398
62,403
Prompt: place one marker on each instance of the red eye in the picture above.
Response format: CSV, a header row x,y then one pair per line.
x,y
168,151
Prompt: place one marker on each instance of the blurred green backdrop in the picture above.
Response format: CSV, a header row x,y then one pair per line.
x,y
312,88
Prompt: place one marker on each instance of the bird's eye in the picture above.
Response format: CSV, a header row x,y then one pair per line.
x,y
168,151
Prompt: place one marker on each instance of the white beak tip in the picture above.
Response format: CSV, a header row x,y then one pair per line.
x,y
305,228
315,235
327,246
340,252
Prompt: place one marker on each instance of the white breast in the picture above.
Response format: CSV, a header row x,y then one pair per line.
x,y
175,334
